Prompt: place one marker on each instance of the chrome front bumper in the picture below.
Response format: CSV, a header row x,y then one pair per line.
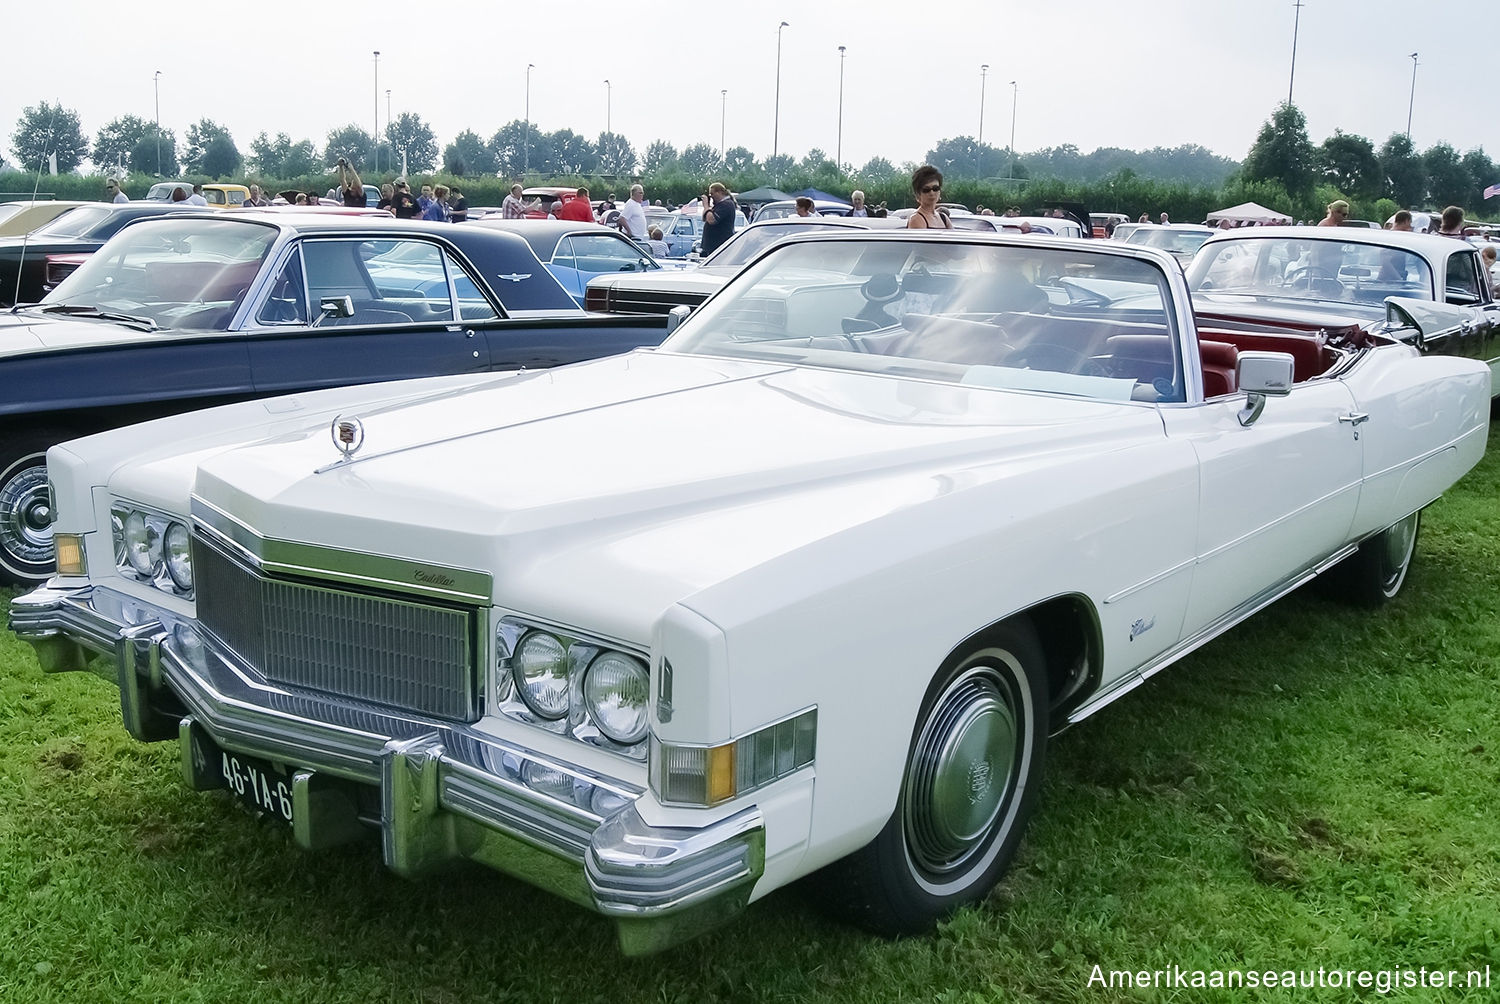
x,y
446,791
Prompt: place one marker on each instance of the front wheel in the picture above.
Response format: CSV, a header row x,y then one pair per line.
x,y
970,786
26,553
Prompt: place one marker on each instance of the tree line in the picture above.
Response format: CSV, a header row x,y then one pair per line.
x,y
1283,168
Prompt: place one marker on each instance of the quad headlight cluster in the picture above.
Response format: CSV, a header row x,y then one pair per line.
x,y
571,685
152,547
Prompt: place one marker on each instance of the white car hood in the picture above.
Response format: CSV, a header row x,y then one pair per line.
x,y
628,483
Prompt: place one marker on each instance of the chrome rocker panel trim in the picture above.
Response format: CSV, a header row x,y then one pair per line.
x,y
447,792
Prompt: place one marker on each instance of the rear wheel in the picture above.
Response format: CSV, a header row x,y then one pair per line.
x,y
26,553
970,786
1376,572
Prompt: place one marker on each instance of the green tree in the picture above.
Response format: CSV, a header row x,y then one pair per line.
x,y
877,168
114,141
413,139
739,159
151,157
199,135
1405,176
1448,183
281,158
569,153
468,156
1349,164
47,129
1481,170
699,160
616,155
350,142
222,159
660,156
507,148
780,166
1282,152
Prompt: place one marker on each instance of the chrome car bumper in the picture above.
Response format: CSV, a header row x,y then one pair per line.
x,y
445,790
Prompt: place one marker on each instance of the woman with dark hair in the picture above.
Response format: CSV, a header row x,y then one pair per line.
x,y
927,186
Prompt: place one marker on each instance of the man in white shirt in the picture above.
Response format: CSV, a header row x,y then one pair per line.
x,y
633,213
858,199
197,199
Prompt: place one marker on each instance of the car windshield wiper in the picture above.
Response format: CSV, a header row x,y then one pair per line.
x,y
83,310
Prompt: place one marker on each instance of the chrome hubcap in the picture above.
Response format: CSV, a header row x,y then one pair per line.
x,y
26,516
1400,540
962,771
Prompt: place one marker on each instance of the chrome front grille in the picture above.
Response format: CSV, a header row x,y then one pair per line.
x,y
403,653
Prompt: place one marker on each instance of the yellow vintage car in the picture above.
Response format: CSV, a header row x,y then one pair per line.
x,y
217,196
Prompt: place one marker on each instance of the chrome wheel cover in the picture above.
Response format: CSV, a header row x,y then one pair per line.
x,y
1396,547
26,516
963,773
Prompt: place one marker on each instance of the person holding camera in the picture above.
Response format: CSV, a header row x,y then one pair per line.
x,y
351,188
718,217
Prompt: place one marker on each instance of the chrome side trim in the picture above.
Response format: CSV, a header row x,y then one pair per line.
x,y
358,568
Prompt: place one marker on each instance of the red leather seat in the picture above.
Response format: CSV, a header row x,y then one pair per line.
x,y
1219,364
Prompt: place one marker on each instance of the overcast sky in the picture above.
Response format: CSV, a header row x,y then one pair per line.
x,y
1129,73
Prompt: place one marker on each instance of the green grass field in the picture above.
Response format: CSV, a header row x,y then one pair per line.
x,y
1318,788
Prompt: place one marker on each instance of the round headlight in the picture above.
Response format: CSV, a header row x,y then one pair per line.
x,y
175,552
615,691
142,545
541,668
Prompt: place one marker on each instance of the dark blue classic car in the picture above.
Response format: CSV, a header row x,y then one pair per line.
x,y
576,252
194,310
26,260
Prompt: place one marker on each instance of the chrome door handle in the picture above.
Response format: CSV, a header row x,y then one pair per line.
x,y
1354,418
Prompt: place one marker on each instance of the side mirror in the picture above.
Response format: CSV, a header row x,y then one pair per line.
x,y
333,306
1261,375
676,316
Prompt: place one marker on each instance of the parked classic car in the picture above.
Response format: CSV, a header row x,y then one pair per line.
x,y
788,207
805,590
216,195
1318,278
24,259
659,292
1180,240
576,252
18,218
193,310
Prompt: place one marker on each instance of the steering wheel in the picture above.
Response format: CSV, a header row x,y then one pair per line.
x,y
1306,274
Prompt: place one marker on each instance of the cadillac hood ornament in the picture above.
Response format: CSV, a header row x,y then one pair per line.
x,y
348,435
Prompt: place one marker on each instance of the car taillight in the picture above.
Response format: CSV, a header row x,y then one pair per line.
x,y
595,299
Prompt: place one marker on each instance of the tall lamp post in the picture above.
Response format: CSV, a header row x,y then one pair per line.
x,y
838,156
375,136
158,81
776,123
1413,99
1296,23
723,113
984,69
526,143
609,93
1013,92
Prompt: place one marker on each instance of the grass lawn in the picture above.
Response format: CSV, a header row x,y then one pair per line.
x,y
1316,789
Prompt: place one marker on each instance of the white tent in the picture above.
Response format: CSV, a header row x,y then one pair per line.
x,y
1250,212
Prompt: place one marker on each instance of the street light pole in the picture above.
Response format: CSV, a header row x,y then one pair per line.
x,y
1013,92
526,143
723,113
609,93
1296,23
1413,100
375,136
838,156
157,80
984,69
776,124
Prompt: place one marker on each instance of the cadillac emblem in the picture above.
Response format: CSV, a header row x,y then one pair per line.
x,y
348,435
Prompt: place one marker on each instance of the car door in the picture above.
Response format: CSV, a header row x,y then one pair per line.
x,y
404,322
1276,496
564,269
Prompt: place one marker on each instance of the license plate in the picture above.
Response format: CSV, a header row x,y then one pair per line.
x,y
258,784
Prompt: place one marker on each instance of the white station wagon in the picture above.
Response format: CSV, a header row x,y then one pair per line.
x,y
805,589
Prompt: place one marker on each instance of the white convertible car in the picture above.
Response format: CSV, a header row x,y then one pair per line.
x,y
805,589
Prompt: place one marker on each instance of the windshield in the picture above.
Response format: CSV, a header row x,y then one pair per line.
x,y
75,223
1066,321
751,241
1304,268
178,273
1169,239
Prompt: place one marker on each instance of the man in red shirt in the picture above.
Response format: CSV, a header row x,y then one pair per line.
x,y
578,209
